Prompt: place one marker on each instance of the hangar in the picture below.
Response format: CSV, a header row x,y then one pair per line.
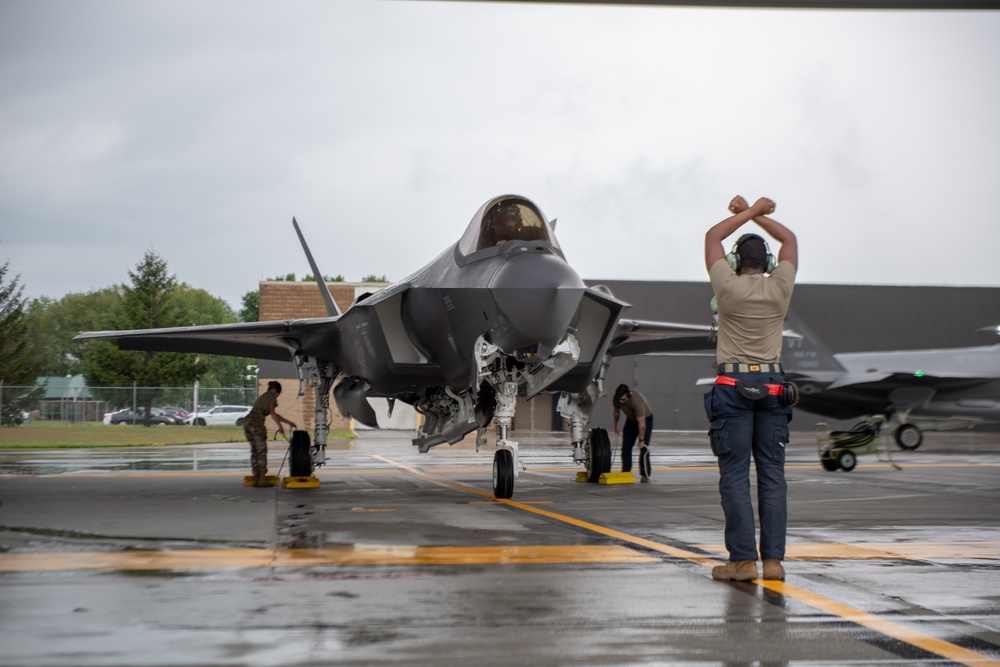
x,y
847,318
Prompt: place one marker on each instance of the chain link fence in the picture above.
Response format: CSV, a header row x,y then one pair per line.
x,y
91,404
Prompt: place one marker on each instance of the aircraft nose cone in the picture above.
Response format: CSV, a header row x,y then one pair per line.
x,y
538,294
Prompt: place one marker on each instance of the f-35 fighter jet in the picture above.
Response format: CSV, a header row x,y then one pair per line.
x,y
497,315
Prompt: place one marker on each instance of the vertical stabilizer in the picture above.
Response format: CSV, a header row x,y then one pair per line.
x,y
331,305
806,355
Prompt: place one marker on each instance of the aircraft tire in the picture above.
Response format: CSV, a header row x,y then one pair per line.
x,y
503,474
846,459
301,462
600,454
909,437
829,462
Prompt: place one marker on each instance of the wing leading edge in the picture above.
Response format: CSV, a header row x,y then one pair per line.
x,y
277,340
646,336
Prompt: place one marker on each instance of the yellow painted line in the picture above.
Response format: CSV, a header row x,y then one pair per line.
x,y
207,473
250,558
370,510
890,629
495,502
882,550
461,555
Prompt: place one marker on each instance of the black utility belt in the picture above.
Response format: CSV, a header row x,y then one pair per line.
x,y
787,392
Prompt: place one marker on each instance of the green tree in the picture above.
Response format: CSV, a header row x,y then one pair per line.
x,y
201,308
330,279
151,301
52,325
18,361
250,312
372,278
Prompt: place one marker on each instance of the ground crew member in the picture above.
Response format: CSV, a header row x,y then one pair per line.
x,y
256,431
749,407
638,425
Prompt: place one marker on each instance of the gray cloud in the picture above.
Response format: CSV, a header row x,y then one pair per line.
x,y
199,129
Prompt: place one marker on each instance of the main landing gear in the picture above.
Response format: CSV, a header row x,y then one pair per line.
x,y
598,457
301,458
503,474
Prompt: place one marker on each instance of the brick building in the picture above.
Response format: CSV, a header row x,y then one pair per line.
x,y
282,300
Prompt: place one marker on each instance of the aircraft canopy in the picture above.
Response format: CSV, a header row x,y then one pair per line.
x,y
505,219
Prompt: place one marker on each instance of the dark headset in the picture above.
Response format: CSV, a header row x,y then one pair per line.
x,y
623,390
734,255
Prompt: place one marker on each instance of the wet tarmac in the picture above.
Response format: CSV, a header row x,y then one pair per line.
x,y
160,556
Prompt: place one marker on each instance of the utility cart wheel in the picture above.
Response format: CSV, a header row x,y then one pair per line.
x,y
847,460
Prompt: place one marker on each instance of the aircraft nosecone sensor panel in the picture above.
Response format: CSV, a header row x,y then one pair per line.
x,y
538,294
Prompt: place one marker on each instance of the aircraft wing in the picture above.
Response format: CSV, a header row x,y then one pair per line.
x,y
277,340
645,336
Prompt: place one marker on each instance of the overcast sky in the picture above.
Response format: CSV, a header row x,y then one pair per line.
x,y
198,129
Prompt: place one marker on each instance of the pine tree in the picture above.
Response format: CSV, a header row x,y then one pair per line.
x,y
150,302
18,361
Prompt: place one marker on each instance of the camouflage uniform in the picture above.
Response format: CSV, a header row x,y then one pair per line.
x,y
256,432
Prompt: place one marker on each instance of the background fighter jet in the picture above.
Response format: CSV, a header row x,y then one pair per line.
x,y
497,315
930,389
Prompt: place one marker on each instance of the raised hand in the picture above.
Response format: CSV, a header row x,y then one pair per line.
x,y
764,206
738,204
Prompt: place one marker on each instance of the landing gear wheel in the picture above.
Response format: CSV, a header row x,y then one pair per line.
x,y
503,474
301,461
909,437
829,462
847,460
599,459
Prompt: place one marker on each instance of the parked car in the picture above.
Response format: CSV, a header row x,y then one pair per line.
x,y
156,416
220,415
180,413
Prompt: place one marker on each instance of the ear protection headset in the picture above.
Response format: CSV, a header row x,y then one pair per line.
x,y
734,255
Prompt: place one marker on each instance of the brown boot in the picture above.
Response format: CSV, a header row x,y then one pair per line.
x,y
736,570
261,481
773,569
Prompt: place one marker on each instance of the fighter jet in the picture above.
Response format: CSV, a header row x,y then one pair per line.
x,y
497,315
933,389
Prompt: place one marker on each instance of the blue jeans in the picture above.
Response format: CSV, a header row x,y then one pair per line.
x,y
741,426
630,433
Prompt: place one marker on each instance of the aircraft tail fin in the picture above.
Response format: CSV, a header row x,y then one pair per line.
x,y
331,305
806,355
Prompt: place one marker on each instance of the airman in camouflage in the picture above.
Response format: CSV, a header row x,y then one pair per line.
x,y
256,431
